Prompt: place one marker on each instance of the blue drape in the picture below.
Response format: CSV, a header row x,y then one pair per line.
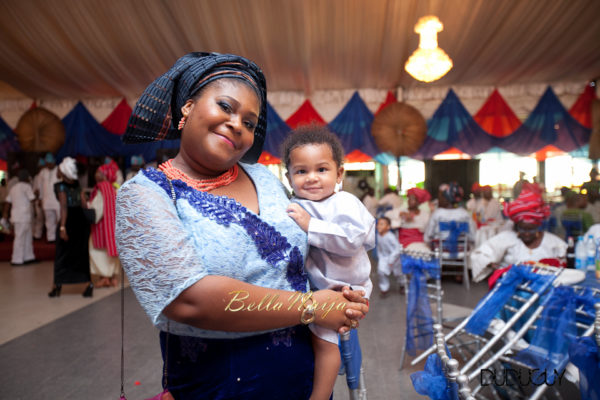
x,y
454,229
548,123
488,307
277,130
585,355
419,322
353,126
8,140
432,381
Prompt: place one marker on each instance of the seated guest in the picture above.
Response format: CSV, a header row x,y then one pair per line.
x,y
491,210
527,242
414,220
390,200
474,204
449,195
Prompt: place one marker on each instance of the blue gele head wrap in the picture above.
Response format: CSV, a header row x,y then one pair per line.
x,y
158,111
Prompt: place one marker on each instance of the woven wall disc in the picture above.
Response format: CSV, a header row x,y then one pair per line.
x,y
399,129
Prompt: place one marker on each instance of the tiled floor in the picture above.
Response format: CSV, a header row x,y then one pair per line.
x,y
69,348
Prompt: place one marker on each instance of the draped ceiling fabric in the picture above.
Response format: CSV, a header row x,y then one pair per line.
x,y
8,141
453,126
581,110
114,48
353,127
86,137
116,122
548,124
496,117
305,115
277,130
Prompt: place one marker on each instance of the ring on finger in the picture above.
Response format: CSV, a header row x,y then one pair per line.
x,y
353,324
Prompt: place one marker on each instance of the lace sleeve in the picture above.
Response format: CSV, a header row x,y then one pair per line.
x,y
157,253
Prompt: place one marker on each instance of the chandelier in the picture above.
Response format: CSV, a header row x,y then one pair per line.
x,y
428,63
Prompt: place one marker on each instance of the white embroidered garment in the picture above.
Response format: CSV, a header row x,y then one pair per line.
x,y
340,233
506,248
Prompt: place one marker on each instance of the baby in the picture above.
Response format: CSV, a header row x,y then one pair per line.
x,y
340,231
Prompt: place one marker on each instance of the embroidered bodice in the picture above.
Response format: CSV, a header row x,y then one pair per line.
x,y
166,248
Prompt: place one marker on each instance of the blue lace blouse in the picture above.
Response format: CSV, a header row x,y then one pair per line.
x,y
165,249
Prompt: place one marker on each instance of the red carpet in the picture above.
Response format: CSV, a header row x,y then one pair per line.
x,y
42,249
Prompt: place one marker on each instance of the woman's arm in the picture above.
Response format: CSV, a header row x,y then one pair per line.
x,y
226,304
62,199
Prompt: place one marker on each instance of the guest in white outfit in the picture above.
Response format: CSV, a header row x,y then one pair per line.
x,y
449,196
20,202
50,203
491,211
388,255
474,203
370,201
527,242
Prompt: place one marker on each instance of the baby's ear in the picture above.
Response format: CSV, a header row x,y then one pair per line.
x,y
340,174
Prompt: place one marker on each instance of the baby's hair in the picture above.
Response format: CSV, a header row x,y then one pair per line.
x,y
312,134
389,221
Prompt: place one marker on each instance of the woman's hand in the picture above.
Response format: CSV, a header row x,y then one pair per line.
x,y
63,234
340,311
493,265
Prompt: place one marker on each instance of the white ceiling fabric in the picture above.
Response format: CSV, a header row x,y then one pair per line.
x,y
77,49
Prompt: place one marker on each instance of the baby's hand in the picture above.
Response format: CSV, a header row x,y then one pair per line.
x,y
299,214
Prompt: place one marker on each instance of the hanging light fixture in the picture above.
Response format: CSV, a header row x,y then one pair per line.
x,y
428,63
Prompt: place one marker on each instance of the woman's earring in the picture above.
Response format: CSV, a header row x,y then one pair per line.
x,y
182,122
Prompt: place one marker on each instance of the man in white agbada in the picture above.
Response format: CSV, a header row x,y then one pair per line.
x,y
50,204
20,202
527,242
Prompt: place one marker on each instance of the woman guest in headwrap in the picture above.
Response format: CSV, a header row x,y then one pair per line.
x,y
104,260
527,242
71,262
208,247
414,221
449,196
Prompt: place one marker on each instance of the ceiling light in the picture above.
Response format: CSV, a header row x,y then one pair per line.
x,y
428,63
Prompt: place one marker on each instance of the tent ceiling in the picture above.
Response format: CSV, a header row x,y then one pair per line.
x,y
81,49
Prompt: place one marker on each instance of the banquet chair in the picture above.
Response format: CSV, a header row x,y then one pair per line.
x,y
516,353
477,336
352,365
422,282
453,250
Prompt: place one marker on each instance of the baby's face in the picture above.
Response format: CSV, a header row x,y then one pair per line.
x,y
313,173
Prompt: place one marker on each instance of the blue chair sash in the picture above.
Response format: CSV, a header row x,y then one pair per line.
x,y
432,381
351,359
584,354
454,229
488,307
419,321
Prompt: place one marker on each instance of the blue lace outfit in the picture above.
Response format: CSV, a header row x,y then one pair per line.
x,y
165,249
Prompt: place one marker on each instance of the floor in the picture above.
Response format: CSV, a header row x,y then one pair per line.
x,y
69,347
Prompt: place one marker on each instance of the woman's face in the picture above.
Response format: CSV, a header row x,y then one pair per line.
x,y
220,125
99,176
412,202
528,232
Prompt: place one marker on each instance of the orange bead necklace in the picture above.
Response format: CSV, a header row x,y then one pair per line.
x,y
203,185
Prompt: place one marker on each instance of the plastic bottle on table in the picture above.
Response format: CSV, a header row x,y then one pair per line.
x,y
580,254
590,247
598,259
